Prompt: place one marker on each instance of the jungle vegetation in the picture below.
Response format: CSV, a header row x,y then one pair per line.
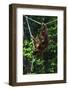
x,y
47,63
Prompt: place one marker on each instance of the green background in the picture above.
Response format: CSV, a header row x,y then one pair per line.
x,y
47,63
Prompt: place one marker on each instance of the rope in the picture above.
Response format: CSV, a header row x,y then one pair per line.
x,y
51,21
33,60
33,43
34,20
30,31
41,23
29,27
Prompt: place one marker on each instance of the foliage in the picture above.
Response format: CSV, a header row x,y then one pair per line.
x,y
47,63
